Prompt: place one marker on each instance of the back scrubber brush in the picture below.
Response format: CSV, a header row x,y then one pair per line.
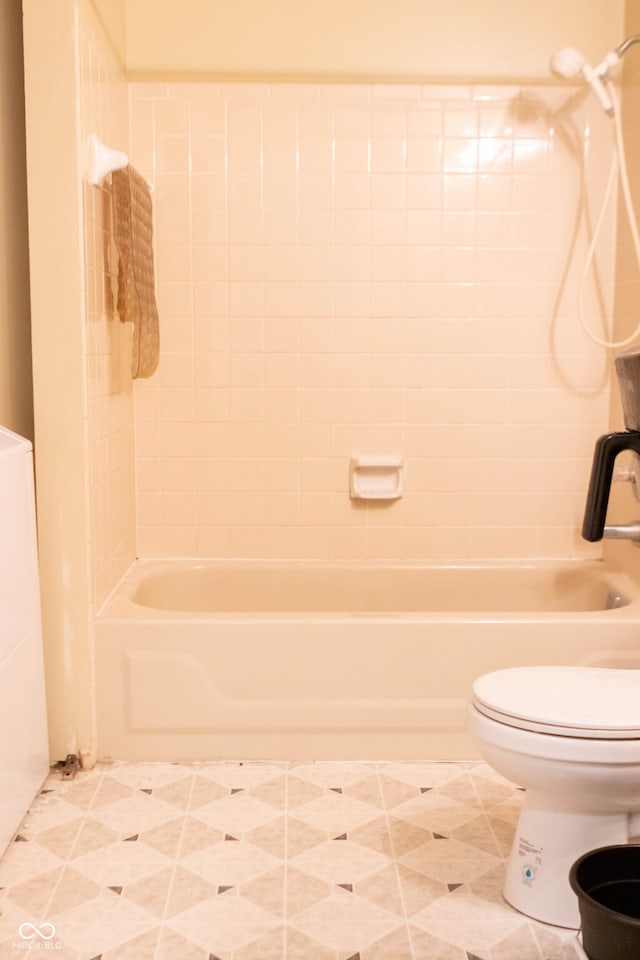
x,y
610,445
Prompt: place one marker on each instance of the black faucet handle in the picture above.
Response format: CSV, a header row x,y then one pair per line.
x,y
604,455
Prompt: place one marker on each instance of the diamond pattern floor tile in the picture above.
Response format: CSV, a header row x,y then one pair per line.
x,y
271,861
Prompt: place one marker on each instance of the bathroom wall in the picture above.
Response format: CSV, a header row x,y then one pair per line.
x,y
16,396
349,269
83,398
436,40
623,505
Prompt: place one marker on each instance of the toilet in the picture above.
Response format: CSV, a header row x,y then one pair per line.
x,y
571,737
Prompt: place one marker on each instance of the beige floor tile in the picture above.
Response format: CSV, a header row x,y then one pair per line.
x,y
478,833
418,891
394,946
346,922
24,860
49,813
240,775
367,791
340,861
333,774
176,792
149,776
151,892
468,922
273,792
301,947
396,791
300,791
406,836
301,837
449,861
335,813
173,946
270,836
134,814
92,836
120,863
110,790
165,838
267,892
231,862
138,948
272,861
461,789
383,889
427,947
79,794
521,944
72,889
205,791
60,840
423,774
236,814
102,924
34,894
197,836
375,835
304,891
432,811
225,923
268,946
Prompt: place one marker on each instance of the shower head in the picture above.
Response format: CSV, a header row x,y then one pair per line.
x,y
568,63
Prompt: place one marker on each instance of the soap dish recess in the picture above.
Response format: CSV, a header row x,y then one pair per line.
x,y
376,477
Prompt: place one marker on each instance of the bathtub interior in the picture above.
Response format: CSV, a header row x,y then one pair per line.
x,y
238,675
186,587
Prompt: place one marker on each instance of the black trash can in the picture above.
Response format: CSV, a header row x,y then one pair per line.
x,y
607,884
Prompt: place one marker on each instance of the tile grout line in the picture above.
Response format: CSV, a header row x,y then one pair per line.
x,y
67,865
162,919
380,766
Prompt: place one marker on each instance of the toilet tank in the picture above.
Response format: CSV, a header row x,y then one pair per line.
x,y
24,758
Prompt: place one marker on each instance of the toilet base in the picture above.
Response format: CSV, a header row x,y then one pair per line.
x,y
547,842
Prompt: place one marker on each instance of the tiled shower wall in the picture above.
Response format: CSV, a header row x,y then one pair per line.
x,y
358,269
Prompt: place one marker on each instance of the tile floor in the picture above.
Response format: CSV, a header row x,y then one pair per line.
x,y
269,861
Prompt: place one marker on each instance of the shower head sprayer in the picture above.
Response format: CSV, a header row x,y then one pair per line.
x,y
568,63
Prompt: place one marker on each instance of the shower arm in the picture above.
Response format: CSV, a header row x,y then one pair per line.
x,y
629,42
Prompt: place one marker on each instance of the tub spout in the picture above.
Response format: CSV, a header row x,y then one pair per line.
x,y
606,450
623,531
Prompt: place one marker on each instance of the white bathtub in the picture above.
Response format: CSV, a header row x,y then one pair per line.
x,y
281,661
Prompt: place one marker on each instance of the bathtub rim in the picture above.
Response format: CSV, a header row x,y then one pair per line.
x,y
119,605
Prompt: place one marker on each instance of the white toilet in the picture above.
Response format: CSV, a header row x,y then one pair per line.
x,y
571,737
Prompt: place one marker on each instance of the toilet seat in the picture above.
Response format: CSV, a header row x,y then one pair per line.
x,y
583,702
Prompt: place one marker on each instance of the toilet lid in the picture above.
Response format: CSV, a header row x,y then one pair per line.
x,y
585,702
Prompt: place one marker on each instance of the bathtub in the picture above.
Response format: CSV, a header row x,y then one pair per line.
x,y
210,660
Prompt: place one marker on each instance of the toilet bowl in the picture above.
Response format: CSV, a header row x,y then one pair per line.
x,y
571,737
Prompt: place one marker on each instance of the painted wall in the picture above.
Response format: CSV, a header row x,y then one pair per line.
x,y
112,16
365,39
16,399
